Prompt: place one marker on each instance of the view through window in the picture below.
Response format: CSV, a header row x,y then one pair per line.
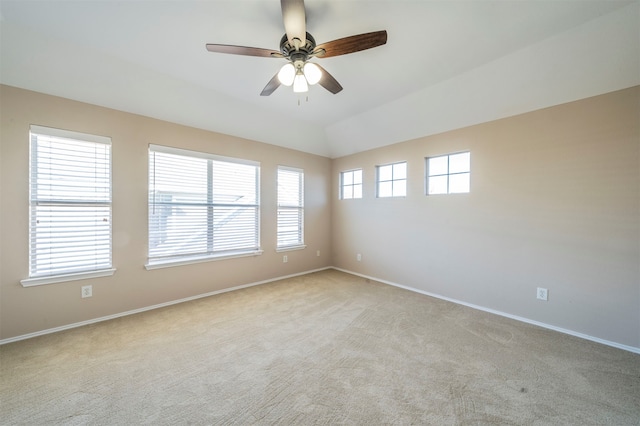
x,y
449,174
201,205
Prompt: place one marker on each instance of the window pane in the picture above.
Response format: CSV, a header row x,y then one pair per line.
x,y
449,174
459,163
357,191
290,221
183,177
200,206
385,173
438,166
438,185
459,183
347,192
392,180
400,188
67,239
70,203
385,189
289,187
351,184
233,183
347,178
357,176
400,171
289,227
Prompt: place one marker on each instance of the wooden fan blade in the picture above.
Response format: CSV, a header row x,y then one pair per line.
x,y
242,50
294,18
356,43
328,82
271,86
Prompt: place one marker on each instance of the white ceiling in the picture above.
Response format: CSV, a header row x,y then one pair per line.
x,y
447,64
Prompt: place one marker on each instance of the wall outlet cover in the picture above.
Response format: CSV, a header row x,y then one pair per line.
x,y
543,293
86,291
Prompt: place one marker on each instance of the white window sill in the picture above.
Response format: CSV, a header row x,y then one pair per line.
x,y
192,260
291,248
31,282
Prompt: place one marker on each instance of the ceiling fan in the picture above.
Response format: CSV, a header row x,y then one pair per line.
x,y
297,46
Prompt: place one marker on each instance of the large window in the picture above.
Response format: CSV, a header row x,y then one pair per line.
x,y
449,174
290,208
70,206
392,180
201,206
351,184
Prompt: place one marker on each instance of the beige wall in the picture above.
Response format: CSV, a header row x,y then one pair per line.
x,y
33,309
554,203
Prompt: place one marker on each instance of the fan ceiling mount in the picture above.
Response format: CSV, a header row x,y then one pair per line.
x,y
297,46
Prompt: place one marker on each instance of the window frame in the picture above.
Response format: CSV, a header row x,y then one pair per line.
x,y
448,174
209,254
281,208
73,201
352,185
392,180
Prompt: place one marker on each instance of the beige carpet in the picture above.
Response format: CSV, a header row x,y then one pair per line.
x,y
325,348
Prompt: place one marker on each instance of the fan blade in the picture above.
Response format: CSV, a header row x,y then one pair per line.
x,y
356,43
242,50
294,18
271,86
328,82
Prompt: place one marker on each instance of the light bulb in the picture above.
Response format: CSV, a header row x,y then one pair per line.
x,y
287,74
312,73
300,83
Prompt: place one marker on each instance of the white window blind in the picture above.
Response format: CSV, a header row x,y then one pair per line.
x,y
290,228
70,203
201,205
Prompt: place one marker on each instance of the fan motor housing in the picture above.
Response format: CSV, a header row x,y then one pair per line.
x,y
289,50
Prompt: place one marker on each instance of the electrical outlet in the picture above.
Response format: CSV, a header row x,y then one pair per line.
x,y
86,291
285,259
318,253
359,257
543,293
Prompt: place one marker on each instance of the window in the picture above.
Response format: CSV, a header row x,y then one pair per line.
x,y
449,174
351,184
290,208
70,206
392,180
201,206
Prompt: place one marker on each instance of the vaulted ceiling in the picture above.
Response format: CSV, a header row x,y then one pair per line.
x,y
447,63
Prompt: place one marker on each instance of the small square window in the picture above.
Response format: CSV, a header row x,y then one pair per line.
x,y
449,174
351,184
392,180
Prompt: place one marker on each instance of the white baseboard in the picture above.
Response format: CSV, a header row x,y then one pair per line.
x,y
426,293
149,308
502,314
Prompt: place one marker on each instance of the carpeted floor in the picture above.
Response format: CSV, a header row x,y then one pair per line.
x,y
324,348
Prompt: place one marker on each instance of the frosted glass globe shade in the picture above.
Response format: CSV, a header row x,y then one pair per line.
x,y
300,84
287,74
312,72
